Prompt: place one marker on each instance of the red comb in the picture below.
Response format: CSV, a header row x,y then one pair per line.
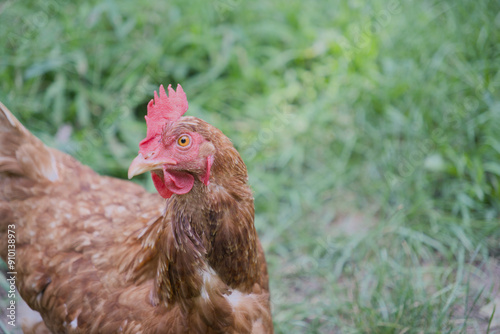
x,y
161,110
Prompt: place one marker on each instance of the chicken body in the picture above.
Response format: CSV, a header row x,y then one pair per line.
x,y
96,254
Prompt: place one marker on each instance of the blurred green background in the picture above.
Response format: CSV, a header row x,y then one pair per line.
x,y
371,131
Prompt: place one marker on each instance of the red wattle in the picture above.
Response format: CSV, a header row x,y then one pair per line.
x,y
173,182
160,186
178,182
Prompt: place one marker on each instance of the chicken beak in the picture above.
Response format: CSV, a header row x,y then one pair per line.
x,y
141,165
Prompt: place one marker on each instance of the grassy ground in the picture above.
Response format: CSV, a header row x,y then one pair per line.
x,y
371,131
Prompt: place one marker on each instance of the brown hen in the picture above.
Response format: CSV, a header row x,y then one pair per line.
x,y
96,254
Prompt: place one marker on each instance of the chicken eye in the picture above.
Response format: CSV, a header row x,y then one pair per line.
x,y
184,141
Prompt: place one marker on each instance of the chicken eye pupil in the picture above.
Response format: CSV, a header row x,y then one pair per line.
x,y
183,140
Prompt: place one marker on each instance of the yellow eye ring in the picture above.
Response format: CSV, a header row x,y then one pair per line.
x,y
184,141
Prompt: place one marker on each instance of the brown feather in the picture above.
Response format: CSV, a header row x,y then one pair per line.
x,y
101,255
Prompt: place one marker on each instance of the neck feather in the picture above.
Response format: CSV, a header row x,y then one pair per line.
x,y
209,230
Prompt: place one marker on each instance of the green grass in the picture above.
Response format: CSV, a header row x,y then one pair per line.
x,y
371,132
